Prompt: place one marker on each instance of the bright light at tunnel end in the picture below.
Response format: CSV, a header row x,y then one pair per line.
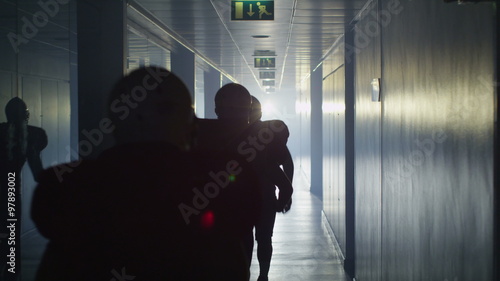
x,y
330,107
268,107
302,107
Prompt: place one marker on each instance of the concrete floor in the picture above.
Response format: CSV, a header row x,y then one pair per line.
x,y
302,249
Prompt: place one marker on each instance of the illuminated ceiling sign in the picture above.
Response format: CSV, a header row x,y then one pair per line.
x,y
265,62
252,10
266,75
268,83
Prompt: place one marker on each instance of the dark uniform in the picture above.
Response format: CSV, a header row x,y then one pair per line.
x,y
270,141
263,146
145,211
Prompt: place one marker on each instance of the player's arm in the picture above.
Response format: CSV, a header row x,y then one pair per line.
x,y
287,163
284,185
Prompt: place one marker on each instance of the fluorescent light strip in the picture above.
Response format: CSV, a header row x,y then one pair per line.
x,y
234,42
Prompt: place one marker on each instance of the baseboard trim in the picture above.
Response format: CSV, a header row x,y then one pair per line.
x,y
327,228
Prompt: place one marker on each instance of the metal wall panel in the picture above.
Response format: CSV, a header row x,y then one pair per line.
x,y
31,95
368,154
329,195
63,122
437,142
8,38
334,151
39,73
302,162
339,154
424,154
49,93
6,92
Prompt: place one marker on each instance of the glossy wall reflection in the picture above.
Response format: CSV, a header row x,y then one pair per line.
x,y
38,54
368,155
334,169
424,153
438,142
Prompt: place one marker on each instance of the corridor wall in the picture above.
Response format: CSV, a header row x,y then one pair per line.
x,y
38,65
302,128
437,142
424,152
368,145
334,150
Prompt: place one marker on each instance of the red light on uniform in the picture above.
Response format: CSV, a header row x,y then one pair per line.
x,y
207,219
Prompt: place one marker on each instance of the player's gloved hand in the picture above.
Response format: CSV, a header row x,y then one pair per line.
x,y
284,207
287,206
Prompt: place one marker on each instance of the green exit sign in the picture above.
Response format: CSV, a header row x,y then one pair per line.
x,y
265,62
252,10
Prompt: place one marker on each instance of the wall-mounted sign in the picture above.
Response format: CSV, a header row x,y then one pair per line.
x,y
376,89
268,83
252,10
266,75
265,62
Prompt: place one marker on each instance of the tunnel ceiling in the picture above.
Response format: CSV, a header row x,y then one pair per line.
x,y
300,34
